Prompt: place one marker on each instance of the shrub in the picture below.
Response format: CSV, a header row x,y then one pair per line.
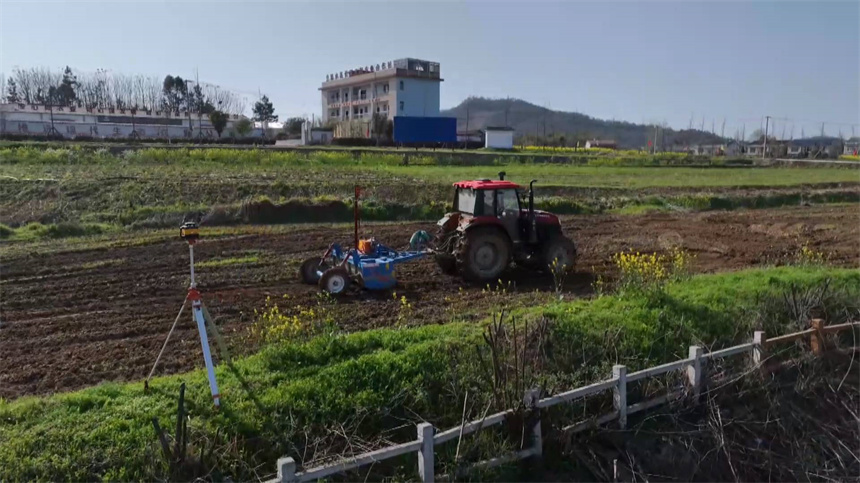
x,y
6,231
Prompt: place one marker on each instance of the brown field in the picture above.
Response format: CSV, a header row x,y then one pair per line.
x,y
72,319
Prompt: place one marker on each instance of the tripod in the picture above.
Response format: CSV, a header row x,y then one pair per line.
x,y
190,232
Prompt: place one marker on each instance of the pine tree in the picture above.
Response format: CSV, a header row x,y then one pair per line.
x,y
12,92
264,111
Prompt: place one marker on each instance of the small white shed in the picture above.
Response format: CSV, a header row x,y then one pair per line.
x,y
321,135
499,137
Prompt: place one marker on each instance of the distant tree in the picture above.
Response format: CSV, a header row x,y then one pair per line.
x,y
12,91
199,102
293,126
243,127
264,111
218,120
65,94
378,125
757,136
175,93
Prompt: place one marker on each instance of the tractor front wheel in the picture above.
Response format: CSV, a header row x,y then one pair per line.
x,y
483,253
561,252
335,280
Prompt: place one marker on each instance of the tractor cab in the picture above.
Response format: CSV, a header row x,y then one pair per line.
x,y
504,203
498,211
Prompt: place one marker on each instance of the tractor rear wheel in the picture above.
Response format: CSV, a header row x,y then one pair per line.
x,y
482,254
335,280
561,251
310,269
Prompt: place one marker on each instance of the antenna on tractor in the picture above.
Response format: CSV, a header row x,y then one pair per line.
x,y
532,218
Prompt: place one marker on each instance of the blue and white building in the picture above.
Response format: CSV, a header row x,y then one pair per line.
x,y
403,87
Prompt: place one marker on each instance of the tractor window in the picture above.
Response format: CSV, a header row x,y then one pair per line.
x,y
465,201
506,200
488,203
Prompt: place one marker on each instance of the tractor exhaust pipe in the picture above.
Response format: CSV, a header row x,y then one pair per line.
x,y
502,175
532,218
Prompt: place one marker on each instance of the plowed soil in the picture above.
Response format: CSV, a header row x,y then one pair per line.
x,y
71,319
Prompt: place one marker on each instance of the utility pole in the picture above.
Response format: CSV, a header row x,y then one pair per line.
x,y
822,129
702,128
744,132
690,126
654,146
723,129
712,126
766,122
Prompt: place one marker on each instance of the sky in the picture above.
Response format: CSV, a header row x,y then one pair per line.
x,y
634,61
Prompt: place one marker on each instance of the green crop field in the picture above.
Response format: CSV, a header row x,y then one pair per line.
x,y
153,188
282,400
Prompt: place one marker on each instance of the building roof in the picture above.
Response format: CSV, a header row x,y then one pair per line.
x,y
407,67
486,184
498,128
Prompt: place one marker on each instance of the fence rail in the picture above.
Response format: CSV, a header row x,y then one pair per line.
x,y
427,439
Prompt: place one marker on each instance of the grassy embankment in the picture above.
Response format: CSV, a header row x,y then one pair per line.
x,y
377,382
71,192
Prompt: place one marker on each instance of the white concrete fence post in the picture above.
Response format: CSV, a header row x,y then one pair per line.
x,y
426,461
758,347
694,370
619,394
530,400
286,470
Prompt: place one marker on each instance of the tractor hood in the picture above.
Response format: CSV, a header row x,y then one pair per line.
x,y
543,217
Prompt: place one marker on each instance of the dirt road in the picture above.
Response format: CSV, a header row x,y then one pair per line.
x,y
74,319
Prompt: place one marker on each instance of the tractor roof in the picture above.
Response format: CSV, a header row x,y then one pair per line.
x,y
486,184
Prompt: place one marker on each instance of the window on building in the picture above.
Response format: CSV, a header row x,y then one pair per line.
x,y
385,88
346,96
70,129
402,104
401,86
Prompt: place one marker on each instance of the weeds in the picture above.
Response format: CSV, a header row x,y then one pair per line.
x,y
807,256
559,273
650,272
299,323
404,310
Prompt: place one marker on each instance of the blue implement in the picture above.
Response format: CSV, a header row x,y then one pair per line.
x,y
373,269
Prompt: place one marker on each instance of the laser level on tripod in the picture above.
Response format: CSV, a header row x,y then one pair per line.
x,y
190,232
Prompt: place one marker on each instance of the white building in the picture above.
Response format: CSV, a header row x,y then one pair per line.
x,y
403,87
498,137
72,121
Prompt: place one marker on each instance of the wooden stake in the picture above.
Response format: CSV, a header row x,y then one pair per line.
x,y
816,338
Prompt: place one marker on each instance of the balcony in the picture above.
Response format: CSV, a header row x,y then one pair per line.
x,y
358,102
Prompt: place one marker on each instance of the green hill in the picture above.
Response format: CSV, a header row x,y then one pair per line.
x,y
528,120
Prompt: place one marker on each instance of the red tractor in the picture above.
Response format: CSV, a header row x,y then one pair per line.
x,y
492,225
